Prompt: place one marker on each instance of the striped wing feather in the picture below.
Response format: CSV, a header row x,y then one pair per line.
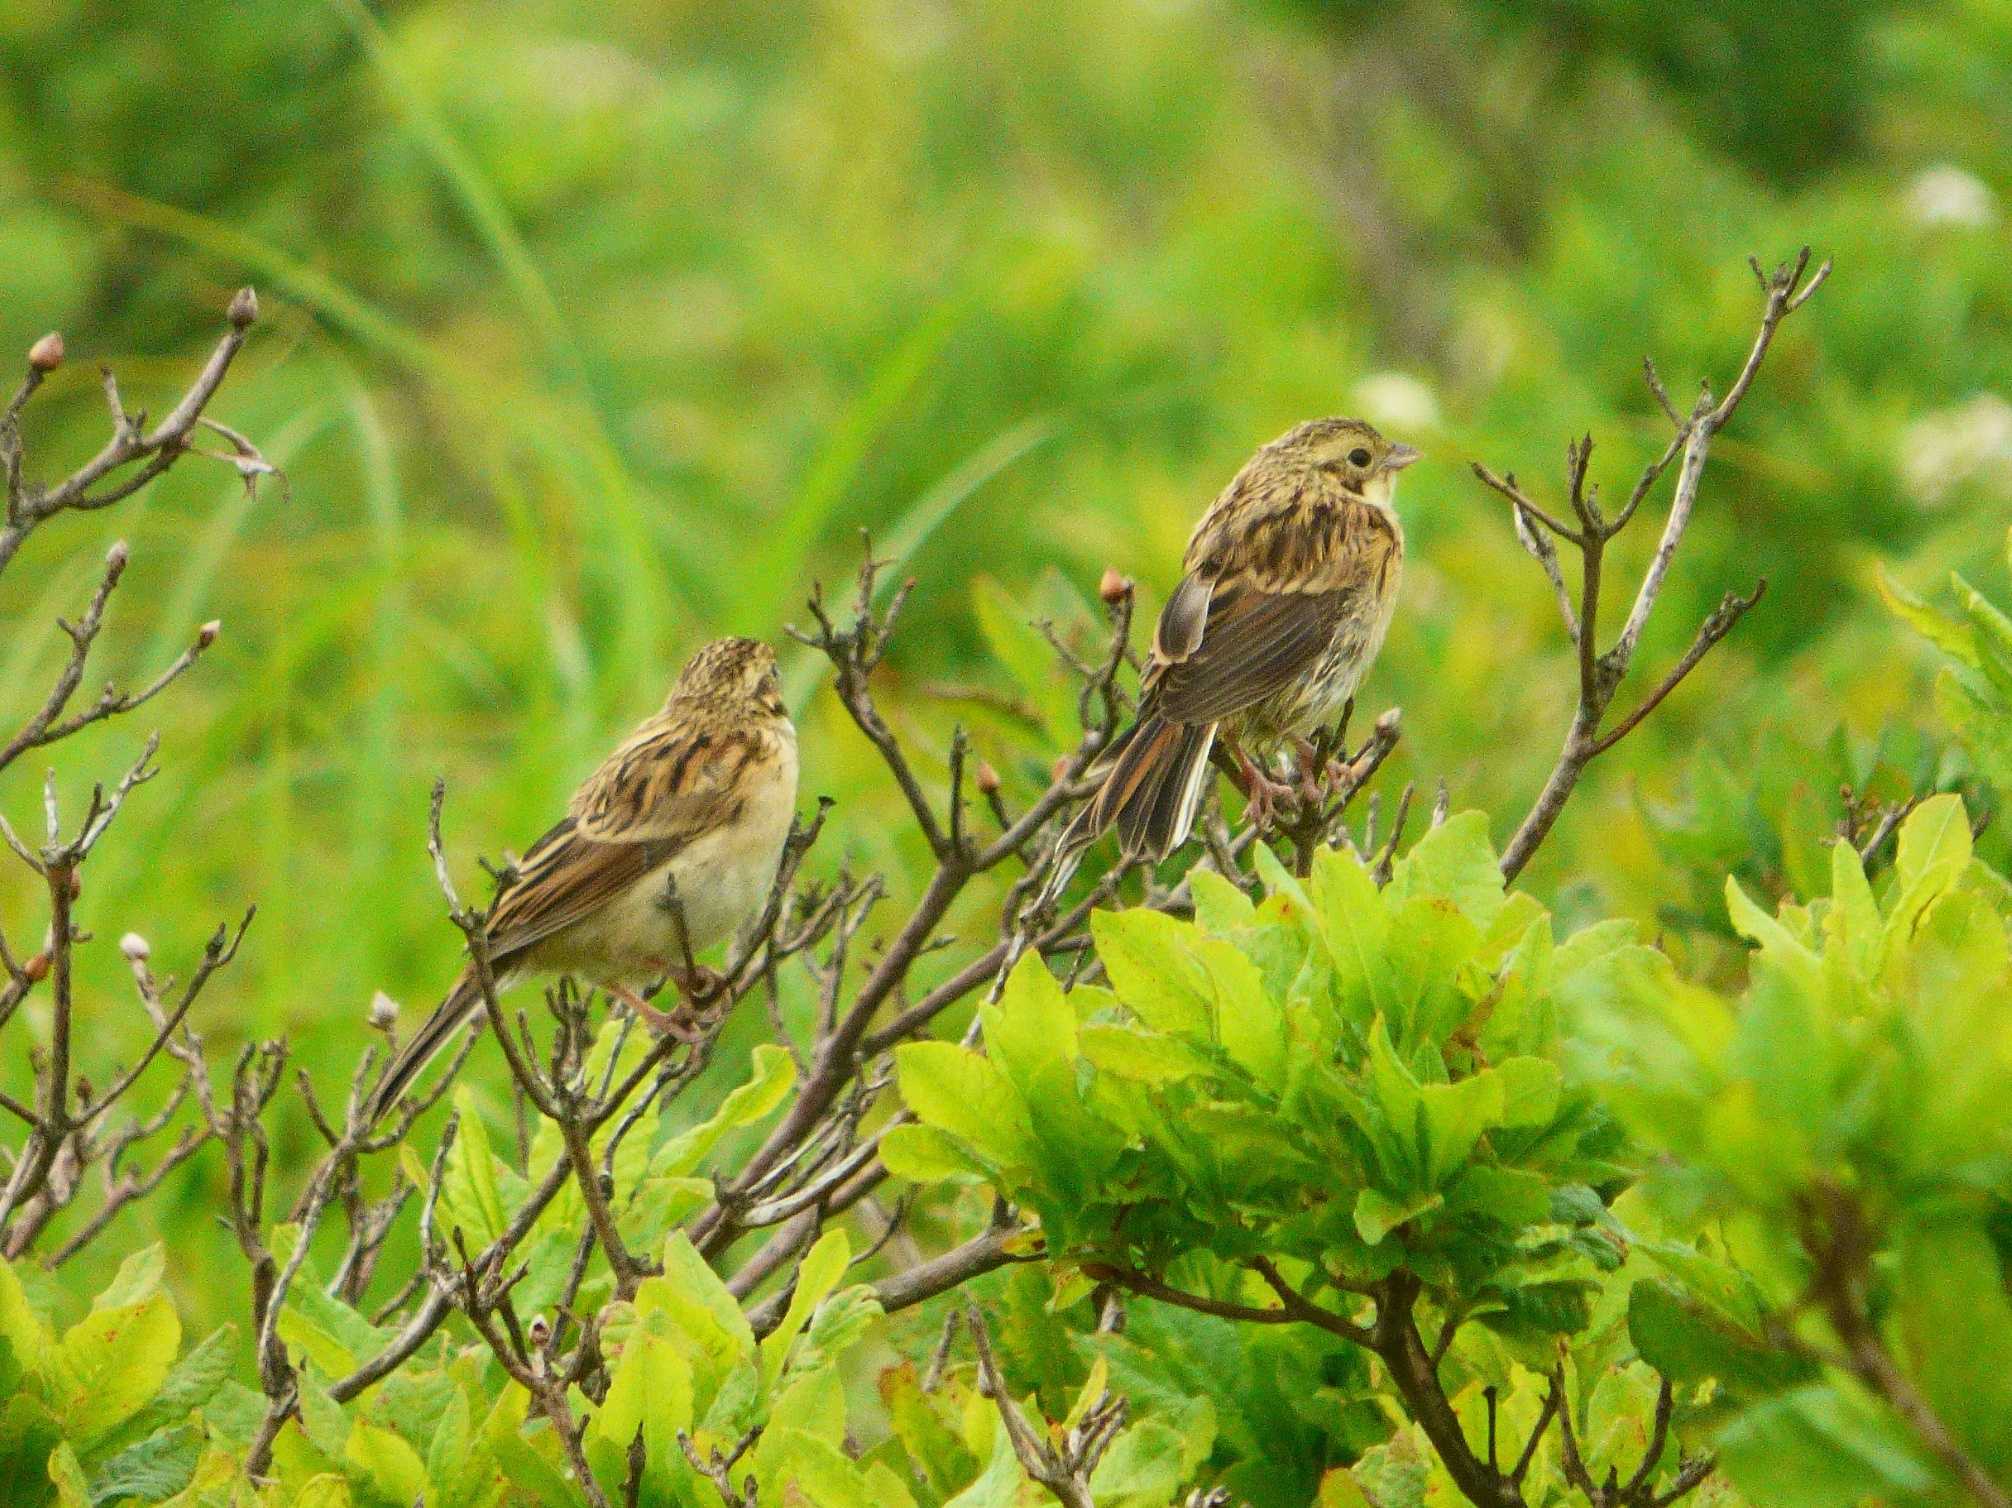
x,y
667,785
1272,603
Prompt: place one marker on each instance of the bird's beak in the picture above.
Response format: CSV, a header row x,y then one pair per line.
x,y
1401,456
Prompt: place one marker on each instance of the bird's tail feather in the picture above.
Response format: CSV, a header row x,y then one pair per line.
x,y
1155,774
463,1001
1152,794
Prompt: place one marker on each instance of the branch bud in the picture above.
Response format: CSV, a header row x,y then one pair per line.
x,y
383,1012
116,557
36,969
986,778
1060,767
135,947
207,634
47,353
244,308
1114,588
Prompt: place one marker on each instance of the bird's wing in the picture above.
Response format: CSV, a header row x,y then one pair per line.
x,y
667,785
1235,633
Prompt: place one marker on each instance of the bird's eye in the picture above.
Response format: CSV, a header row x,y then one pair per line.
x,y
1358,457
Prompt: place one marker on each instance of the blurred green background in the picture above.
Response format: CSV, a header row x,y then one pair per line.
x,y
593,330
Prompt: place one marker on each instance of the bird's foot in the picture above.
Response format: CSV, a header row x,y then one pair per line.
x,y
663,1023
704,1002
699,984
1264,797
1310,775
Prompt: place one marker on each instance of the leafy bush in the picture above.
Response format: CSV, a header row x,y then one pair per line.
x,y
1318,1168
1410,1117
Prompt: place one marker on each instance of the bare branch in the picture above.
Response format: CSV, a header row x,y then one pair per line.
x,y
1601,672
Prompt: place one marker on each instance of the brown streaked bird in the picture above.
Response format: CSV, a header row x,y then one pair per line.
x,y
1287,589
698,799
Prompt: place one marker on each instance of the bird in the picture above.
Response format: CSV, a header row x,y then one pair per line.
x,y
669,847
1287,589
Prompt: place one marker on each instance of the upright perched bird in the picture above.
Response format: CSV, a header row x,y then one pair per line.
x,y
1288,585
695,803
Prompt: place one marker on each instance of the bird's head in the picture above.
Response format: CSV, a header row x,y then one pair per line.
x,y
1350,451
732,670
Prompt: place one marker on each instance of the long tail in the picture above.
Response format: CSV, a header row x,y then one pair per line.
x,y
1156,771
463,1001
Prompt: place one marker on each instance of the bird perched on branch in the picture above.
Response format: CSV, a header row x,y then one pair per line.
x,y
666,849
1288,586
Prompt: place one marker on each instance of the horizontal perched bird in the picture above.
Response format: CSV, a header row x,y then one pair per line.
x,y
1288,586
680,829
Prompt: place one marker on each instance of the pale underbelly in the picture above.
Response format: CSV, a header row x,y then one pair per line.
x,y
1316,698
721,880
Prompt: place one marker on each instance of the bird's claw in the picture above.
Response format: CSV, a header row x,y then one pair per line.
x,y
1265,798
697,1012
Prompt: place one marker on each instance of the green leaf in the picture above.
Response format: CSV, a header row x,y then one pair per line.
x,y
1355,925
705,1314
1031,1031
1980,722
998,1486
1950,634
322,1418
22,1330
28,1433
1993,633
1249,1021
1853,925
884,1489
651,1391
1754,924
191,1383
1457,861
1220,907
965,1094
1144,1463
137,1280
110,1363
928,1154
447,1450
1691,1341
385,1464
469,1200
842,1321
1456,1115
1144,1057
1031,1034
1377,1214
816,1275
814,1402
1509,1196
1530,1089
933,1448
1817,1448
1339,1489
334,1335
325,1491
1934,844
157,1467
1957,1324
773,1077
68,1476
530,1473
1150,958
794,1467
